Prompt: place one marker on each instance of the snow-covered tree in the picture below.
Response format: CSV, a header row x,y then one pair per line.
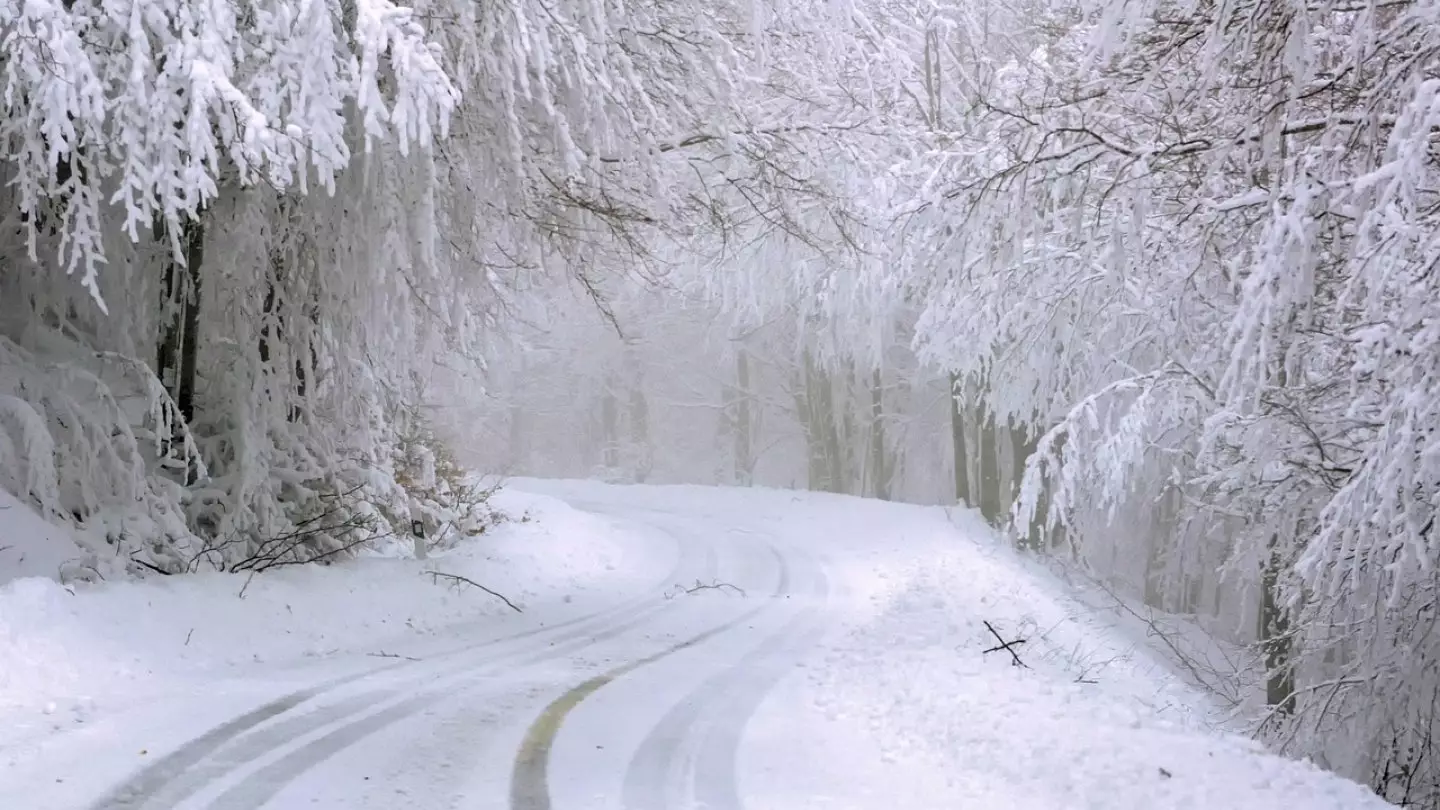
x,y
247,237
1190,243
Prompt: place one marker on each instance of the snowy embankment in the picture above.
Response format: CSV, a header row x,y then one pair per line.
x,y
68,653
903,706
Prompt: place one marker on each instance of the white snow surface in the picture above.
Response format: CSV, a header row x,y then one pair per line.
x,y
29,545
839,664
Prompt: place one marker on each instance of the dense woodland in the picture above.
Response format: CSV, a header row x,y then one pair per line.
x,y
1151,283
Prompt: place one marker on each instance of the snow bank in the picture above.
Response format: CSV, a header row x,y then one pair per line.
x,y
30,546
68,650
904,706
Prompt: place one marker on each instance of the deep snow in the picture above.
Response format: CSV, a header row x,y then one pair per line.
x,y
849,674
29,546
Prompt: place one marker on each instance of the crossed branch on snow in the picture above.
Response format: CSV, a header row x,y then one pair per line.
x,y
1007,646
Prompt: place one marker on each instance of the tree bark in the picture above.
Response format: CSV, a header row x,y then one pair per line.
x,y
958,443
879,463
842,442
990,506
194,242
1274,633
744,442
171,318
815,404
177,349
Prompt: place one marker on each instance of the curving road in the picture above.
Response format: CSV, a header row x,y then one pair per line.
x,y
839,662
640,705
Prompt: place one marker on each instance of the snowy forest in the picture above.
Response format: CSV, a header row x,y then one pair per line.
x,y
1152,284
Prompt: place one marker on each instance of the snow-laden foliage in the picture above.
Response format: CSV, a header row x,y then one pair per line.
x,y
1194,244
154,105
290,222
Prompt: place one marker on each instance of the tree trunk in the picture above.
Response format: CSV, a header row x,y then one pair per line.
x,y
830,431
1274,633
287,266
306,361
744,442
269,326
879,464
815,404
990,476
842,444
1033,537
177,350
171,319
817,468
1022,447
957,441
194,242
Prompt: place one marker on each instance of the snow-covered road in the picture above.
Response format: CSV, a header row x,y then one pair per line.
x,y
449,728
761,650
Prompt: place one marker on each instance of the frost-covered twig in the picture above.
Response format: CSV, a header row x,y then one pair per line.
x,y
458,580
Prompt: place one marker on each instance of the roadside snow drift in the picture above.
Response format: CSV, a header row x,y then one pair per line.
x,y
68,652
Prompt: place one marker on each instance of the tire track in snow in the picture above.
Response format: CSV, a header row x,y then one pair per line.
x,y
657,776
136,791
716,774
270,736
148,788
264,784
530,780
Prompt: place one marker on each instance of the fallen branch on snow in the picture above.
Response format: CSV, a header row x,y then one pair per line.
x,y
458,580
1007,646
391,655
699,586
152,566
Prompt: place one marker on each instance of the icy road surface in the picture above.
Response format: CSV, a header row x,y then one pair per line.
x,y
679,647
